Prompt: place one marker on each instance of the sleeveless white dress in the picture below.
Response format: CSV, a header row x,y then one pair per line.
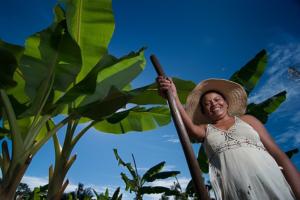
x,y
239,166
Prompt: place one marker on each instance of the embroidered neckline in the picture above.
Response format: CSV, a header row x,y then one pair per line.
x,y
223,130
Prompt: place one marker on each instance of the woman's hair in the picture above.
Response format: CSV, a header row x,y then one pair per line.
x,y
205,93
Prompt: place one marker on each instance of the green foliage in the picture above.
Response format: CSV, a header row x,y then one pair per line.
x,y
39,193
148,94
23,191
105,196
202,159
66,69
265,108
135,119
91,25
249,75
137,185
292,152
8,65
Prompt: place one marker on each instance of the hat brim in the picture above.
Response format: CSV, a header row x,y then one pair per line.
x,y
234,93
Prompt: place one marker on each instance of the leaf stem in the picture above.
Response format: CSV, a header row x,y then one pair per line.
x,y
18,146
82,132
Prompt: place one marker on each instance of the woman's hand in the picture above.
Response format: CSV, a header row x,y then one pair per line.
x,y
164,84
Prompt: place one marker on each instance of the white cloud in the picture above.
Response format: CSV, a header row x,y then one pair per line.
x,y
169,168
296,117
291,137
171,138
33,182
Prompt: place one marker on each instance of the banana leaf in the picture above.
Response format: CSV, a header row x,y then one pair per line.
x,y
18,90
91,25
88,84
8,65
249,75
135,119
149,94
162,175
51,60
202,159
156,190
152,171
119,75
97,110
262,110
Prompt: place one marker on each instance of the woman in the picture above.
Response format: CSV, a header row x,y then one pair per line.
x,y
243,158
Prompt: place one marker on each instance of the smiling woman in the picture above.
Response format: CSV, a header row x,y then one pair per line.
x,y
244,161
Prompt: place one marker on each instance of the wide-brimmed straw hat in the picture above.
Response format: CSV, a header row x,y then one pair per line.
x,y
234,93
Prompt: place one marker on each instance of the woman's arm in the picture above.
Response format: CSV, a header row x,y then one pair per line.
x,y
195,131
289,170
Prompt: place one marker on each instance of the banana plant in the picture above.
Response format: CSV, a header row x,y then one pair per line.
x,y
105,195
137,183
64,69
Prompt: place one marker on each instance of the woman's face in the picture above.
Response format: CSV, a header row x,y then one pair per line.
x,y
214,106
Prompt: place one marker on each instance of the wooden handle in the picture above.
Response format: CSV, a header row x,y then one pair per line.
x,y
192,162
157,66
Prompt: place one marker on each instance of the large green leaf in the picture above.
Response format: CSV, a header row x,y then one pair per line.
x,y
51,58
97,110
119,75
8,65
163,175
155,190
202,159
135,119
18,107
249,75
88,84
17,91
149,94
262,110
16,50
152,171
91,24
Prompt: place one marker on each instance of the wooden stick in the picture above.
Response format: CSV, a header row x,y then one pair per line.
x,y
184,139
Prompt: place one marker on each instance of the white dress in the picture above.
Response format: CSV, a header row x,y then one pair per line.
x,y
240,168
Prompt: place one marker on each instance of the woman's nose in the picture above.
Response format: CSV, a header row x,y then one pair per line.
x,y
213,102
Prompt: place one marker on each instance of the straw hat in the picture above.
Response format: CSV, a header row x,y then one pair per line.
x,y
234,93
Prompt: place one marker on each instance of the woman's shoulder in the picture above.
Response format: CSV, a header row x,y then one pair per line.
x,y
251,120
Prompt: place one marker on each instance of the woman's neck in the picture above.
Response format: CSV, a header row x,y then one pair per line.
x,y
223,119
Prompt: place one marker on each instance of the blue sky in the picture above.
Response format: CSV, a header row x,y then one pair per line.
x,y
194,40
